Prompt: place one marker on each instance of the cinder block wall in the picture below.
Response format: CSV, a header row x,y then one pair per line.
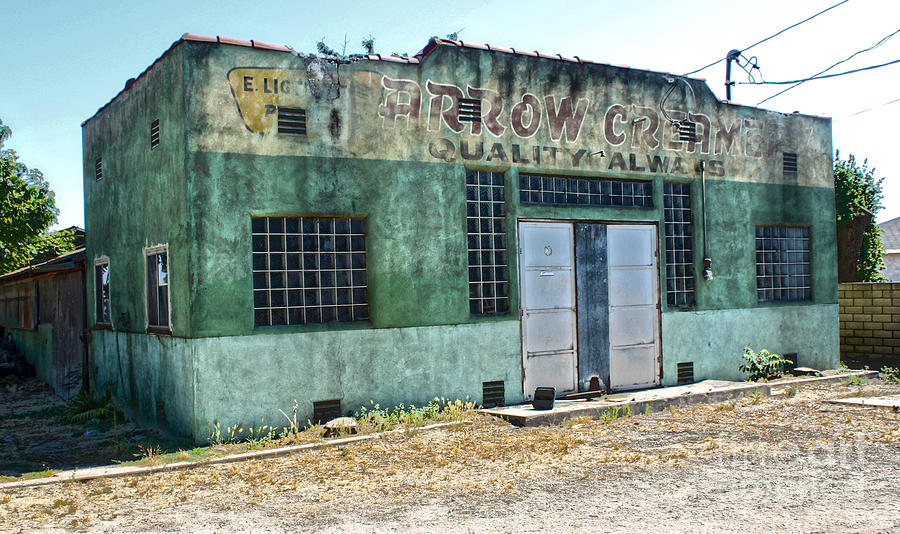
x,y
870,317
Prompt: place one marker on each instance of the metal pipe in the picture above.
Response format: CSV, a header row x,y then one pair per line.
x,y
732,56
707,261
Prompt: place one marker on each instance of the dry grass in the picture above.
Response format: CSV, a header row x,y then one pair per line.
x,y
486,459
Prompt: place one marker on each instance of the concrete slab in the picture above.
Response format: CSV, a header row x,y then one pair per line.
x,y
887,401
657,399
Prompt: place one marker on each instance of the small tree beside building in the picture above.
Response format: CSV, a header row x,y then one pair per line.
x,y
857,198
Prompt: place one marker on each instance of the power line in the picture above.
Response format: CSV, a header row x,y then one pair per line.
x,y
786,82
869,109
874,46
769,37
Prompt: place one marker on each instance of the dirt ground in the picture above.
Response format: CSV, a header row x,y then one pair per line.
x,y
779,464
34,435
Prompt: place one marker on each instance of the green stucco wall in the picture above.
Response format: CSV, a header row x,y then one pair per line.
x,y
249,378
403,168
141,201
155,374
715,339
37,348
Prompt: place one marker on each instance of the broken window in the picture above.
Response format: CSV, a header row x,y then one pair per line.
x,y
782,263
101,287
158,288
568,190
309,270
679,245
486,229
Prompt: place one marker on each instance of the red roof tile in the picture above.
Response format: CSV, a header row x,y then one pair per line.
x,y
239,42
433,43
270,46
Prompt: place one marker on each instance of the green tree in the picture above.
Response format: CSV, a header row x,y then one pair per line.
x,y
27,210
857,199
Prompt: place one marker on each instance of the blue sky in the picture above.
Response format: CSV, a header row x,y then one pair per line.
x,y
62,60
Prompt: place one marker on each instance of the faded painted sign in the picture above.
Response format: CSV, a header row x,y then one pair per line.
x,y
433,119
259,92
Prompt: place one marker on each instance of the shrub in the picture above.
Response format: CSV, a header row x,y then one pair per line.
x,y
891,375
762,365
89,406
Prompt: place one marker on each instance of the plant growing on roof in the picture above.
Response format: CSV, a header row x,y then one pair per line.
x,y
762,365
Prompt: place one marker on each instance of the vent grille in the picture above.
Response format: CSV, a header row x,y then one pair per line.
x,y
685,373
492,394
292,121
324,411
791,364
790,164
469,110
98,169
154,134
687,131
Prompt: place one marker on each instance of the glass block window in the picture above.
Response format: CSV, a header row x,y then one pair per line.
x,y
564,190
101,288
486,229
679,244
309,270
782,263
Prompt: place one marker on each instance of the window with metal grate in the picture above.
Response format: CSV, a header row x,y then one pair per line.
x,y
309,270
782,264
567,191
679,245
154,134
98,169
486,234
292,121
790,164
469,110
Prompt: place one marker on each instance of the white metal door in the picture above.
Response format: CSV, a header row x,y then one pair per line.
x,y
633,306
547,281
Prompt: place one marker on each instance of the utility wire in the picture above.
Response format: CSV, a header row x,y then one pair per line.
x,y
787,82
769,37
869,109
874,46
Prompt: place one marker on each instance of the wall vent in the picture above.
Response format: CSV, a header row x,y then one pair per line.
x,y
492,394
469,110
324,411
791,364
687,131
98,169
154,134
685,373
292,121
790,164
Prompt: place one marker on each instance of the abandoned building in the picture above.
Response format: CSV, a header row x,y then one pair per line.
x,y
472,221
42,312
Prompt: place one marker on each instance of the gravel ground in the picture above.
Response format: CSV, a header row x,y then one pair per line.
x,y
779,464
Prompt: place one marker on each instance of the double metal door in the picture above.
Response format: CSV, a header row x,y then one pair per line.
x,y
599,289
